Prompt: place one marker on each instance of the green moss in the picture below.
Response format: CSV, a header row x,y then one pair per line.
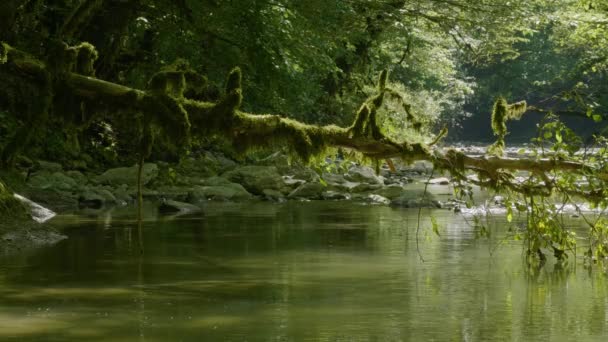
x,y
361,120
517,110
382,81
85,60
177,79
501,113
10,207
4,48
234,80
168,114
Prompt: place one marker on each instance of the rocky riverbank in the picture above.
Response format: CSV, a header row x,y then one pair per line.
x,y
214,177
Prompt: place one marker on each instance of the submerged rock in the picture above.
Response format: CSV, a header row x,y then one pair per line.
x,y
91,199
175,207
439,181
415,200
226,192
307,190
273,195
391,191
377,199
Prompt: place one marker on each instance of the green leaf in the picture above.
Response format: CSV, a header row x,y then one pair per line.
x,y
597,118
558,136
509,214
547,135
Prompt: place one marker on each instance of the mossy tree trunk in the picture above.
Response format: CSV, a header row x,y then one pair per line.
x,y
165,107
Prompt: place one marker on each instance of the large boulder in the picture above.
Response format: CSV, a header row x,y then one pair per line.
x,y
307,190
363,174
128,175
333,179
203,166
335,195
224,192
257,178
391,191
56,180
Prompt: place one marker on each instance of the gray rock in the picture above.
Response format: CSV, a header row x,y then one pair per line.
x,y
175,207
373,198
391,191
128,175
292,183
91,199
256,179
177,193
333,179
439,181
204,166
273,195
57,181
226,192
363,187
216,181
335,195
363,174
422,167
415,200
307,190
303,173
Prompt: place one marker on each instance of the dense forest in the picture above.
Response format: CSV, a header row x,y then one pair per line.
x,y
95,84
304,170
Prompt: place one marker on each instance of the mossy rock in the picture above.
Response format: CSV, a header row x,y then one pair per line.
x,y
256,179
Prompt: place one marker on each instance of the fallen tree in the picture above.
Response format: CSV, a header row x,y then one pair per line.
x,y
65,83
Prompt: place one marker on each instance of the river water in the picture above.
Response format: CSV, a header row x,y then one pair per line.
x,y
316,271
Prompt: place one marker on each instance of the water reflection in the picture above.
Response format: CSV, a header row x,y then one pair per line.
x,y
298,271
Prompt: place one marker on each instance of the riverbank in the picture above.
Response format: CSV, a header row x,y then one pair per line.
x,y
214,177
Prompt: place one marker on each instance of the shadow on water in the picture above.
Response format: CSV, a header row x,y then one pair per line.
x,y
330,271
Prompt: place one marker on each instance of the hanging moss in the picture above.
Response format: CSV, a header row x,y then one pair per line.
x,y
166,112
382,81
516,110
85,60
234,80
499,117
501,113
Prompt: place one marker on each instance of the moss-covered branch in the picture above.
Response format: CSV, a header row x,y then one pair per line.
x,y
165,106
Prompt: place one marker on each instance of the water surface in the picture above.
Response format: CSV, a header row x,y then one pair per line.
x,y
318,271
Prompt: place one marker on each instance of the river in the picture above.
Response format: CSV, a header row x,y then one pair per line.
x,y
297,271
